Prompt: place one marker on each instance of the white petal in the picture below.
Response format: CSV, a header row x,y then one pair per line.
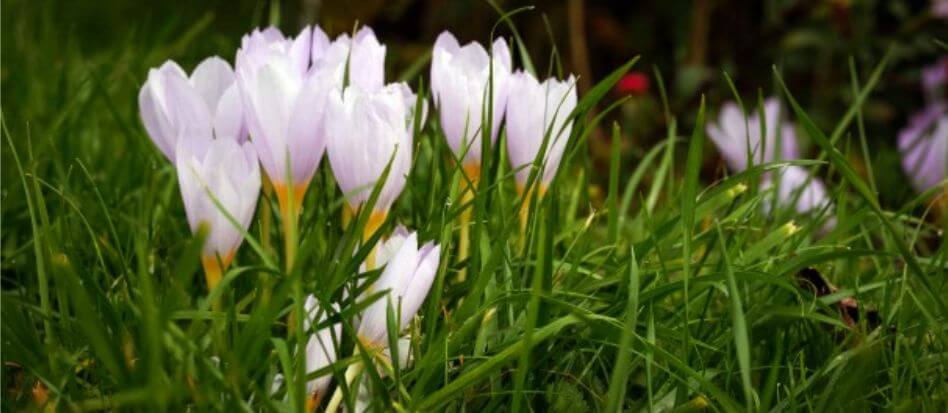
x,y
230,173
417,288
397,273
306,139
320,350
155,118
229,116
210,79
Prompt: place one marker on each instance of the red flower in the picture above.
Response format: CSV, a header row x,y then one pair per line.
x,y
633,83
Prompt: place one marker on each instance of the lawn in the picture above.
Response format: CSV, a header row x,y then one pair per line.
x,y
411,225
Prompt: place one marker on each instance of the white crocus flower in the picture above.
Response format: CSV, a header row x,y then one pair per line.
x,y
734,141
228,171
459,85
283,103
365,130
923,145
923,142
407,277
534,111
798,189
363,53
173,104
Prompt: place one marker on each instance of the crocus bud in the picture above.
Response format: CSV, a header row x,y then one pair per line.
x,y
172,104
363,52
734,141
365,129
460,83
407,277
229,171
536,111
797,189
284,106
924,147
320,351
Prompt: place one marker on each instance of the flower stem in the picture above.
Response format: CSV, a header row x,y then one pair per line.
x,y
212,271
352,371
214,268
266,221
291,201
465,236
524,216
290,205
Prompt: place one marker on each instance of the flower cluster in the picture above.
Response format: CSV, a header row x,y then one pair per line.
x,y
287,100
465,80
197,122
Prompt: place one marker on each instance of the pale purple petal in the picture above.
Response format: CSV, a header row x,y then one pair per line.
x,y
210,79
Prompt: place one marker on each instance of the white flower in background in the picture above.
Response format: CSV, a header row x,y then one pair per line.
x,y
923,143
365,129
172,104
320,350
229,171
734,141
459,86
284,105
799,190
364,53
407,277
940,8
536,110
924,147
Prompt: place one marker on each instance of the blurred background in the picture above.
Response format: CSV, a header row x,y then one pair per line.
x,y
56,51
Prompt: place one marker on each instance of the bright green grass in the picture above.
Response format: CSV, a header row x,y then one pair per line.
x,y
674,293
